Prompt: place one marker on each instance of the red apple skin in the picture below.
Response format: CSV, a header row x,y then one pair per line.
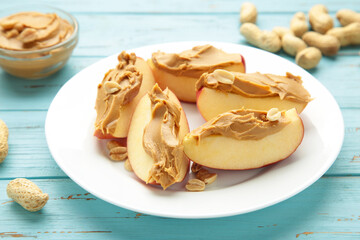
x,y
243,61
101,135
197,97
302,137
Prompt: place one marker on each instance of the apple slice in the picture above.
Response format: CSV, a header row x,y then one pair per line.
x,y
140,160
229,153
222,91
183,86
211,102
125,112
180,71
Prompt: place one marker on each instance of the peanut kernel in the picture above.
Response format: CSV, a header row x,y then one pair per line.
x,y
206,176
273,114
224,76
117,152
195,185
195,167
112,87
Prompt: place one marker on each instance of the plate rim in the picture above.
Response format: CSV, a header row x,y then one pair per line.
x,y
305,185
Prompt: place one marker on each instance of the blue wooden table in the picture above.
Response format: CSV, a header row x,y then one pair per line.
x,y
328,209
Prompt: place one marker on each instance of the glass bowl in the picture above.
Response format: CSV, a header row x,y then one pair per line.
x,y
35,64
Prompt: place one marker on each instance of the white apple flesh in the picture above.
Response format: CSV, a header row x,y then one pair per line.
x,y
140,161
211,103
221,152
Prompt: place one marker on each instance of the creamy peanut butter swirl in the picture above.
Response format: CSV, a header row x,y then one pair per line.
x,y
242,124
194,62
161,138
119,86
32,30
256,85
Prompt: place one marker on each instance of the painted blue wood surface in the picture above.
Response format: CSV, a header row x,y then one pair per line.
x,y
319,212
188,6
329,209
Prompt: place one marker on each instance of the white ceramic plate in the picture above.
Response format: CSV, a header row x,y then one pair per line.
x,y
70,126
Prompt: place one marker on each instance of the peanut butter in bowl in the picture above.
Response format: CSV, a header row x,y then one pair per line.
x,y
28,31
36,42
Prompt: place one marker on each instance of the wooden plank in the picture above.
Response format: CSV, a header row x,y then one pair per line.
x,y
30,157
72,213
22,94
189,6
133,30
328,209
349,156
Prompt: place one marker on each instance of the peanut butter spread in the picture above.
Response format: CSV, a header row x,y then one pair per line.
x,y
256,85
194,62
32,30
161,138
119,86
242,124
